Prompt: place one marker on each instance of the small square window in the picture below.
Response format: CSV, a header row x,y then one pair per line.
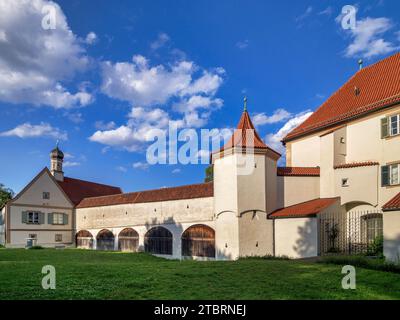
x,y
33,236
342,140
46,195
345,182
58,238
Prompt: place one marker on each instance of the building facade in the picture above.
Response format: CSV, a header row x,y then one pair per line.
x,y
338,193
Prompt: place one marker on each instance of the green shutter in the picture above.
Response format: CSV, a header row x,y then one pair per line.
x,y
41,218
65,218
384,128
24,217
385,176
50,218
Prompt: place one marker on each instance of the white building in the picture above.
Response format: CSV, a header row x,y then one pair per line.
x,y
340,190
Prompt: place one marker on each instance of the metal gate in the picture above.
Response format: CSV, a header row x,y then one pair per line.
x,y
353,232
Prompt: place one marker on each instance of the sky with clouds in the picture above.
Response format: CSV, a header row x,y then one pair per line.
x,y
111,74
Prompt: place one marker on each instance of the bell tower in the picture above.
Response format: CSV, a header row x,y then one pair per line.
x,y
56,162
245,192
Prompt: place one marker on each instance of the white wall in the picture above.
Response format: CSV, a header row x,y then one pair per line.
x,y
296,237
293,190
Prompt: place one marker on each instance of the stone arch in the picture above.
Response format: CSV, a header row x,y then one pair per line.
x,y
198,241
128,240
158,240
84,239
105,240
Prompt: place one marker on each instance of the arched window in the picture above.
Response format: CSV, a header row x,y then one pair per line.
x,y
84,240
105,240
128,240
198,241
158,240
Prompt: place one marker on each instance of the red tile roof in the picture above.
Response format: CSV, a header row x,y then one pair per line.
x,y
305,209
378,87
393,204
299,171
240,137
193,191
77,189
356,164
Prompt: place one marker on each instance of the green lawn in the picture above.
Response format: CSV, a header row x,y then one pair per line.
x,y
111,275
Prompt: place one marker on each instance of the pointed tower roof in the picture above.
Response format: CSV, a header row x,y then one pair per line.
x,y
244,133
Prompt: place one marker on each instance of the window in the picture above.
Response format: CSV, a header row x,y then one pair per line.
x,y
372,226
33,236
58,218
394,125
390,175
390,126
46,195
342,140
345,182
58,238
33,217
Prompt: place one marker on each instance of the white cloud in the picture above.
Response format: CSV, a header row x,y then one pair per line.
x,y
140,165
75,117
326,12
69,164
188,90
35,62
176,171
279,115
42,130
91,38
242,44
121,169
368,38
101,125
162,39
274,139
305,15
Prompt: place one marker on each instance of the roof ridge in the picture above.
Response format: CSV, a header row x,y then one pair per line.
x,y
150,190
100,184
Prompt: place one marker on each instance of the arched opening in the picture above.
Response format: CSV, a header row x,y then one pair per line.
x,y
198,241
158,240
105,240
84,240
128,240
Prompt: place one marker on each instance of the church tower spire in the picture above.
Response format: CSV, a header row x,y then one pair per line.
x,y
56,162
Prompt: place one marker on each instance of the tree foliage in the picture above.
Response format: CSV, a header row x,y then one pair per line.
x,y
209,174
5,195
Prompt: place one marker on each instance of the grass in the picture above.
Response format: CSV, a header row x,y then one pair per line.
x,y
113,275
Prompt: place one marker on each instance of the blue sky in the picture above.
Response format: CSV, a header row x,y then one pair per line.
x,y
112,71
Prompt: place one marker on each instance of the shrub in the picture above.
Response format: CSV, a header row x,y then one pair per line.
x,y
267,257
376,247
35,248
363,262
2,246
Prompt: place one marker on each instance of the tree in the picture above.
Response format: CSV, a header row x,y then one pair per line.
x,y
5,195
209,174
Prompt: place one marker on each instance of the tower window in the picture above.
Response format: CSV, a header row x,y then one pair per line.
x,y
46,195
345,182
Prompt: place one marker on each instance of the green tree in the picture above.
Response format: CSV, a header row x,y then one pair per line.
x,y
209,174
5,195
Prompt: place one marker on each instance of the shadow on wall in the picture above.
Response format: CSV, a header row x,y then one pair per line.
x,y
392,250
307,242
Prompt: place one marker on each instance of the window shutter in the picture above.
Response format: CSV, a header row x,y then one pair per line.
x,y
65,218
384,128
50,218
41,218
24,217
385,175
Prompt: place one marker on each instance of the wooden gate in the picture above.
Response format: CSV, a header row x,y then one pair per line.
x,y
198,241
158,240
105,240
128,240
